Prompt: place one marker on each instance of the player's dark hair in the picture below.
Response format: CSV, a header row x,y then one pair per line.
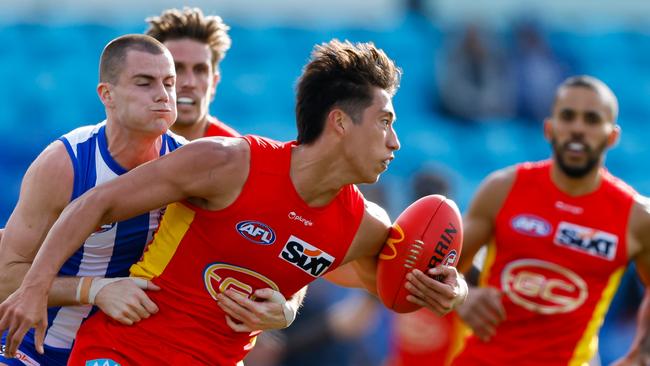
x,y
190,23
114,55
341,74
592,83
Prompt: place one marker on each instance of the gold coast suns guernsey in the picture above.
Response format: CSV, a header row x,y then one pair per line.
x,y
268,238
558,260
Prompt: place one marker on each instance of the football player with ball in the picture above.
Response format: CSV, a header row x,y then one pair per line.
x,y
229,228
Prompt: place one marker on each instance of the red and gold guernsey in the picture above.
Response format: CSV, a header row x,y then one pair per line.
x,y
268,238
218,128
558,260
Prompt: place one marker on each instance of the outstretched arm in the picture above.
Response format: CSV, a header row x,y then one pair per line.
x,y
209,170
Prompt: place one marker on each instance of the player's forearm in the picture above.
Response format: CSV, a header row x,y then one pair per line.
x,y
63,292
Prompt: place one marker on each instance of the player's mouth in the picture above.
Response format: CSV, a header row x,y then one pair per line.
x,y
162,110
185,101
386,162
576,146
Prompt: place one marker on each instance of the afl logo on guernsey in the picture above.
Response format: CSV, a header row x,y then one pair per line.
x,y
531,225
256,232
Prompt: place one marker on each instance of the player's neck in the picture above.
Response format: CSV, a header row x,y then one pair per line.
x,y
191,131
315,173
576,186
129,148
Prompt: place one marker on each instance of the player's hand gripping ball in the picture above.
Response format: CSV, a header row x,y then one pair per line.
x,y
427,234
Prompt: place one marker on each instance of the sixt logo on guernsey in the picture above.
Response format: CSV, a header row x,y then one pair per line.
x,y
256,232
531,225
587,240
306,256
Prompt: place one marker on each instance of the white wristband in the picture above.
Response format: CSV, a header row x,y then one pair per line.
x,y
289,313
83,287
87,292
287,308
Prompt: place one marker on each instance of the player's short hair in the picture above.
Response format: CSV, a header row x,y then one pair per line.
x,y
190,23
341,74
114,54
592,83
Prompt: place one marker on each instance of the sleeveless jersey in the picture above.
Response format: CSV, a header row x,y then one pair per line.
x,y
558,260
218,128
111,249
267,238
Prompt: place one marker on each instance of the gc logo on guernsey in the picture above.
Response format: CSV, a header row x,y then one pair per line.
x,y
543,287
219,277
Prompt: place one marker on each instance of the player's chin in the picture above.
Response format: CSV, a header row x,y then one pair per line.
x,y
371,178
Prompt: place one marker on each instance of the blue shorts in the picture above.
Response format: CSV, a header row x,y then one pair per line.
x,y
27,355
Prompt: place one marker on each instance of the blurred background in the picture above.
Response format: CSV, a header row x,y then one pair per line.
x,y
478,81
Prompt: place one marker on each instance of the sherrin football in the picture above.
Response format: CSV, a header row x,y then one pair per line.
x,y
428,233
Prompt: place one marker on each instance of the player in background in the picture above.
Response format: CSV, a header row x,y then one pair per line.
x,y
198,44
560,234
242,192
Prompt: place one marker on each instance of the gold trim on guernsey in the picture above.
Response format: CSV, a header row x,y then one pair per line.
x,y
588,344
173,227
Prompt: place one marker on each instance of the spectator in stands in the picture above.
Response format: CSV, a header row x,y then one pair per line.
x,y
474,79
537,71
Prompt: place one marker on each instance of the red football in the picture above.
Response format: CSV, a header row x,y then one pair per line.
x,y
428,233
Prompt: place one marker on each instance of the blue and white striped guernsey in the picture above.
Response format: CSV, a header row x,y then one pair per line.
x,y
109,251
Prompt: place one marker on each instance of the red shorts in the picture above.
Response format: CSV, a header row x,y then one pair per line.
x,y
98,340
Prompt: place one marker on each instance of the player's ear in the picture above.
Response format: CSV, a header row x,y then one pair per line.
x,y
215,82
614,136
337,120
105,95
548,129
